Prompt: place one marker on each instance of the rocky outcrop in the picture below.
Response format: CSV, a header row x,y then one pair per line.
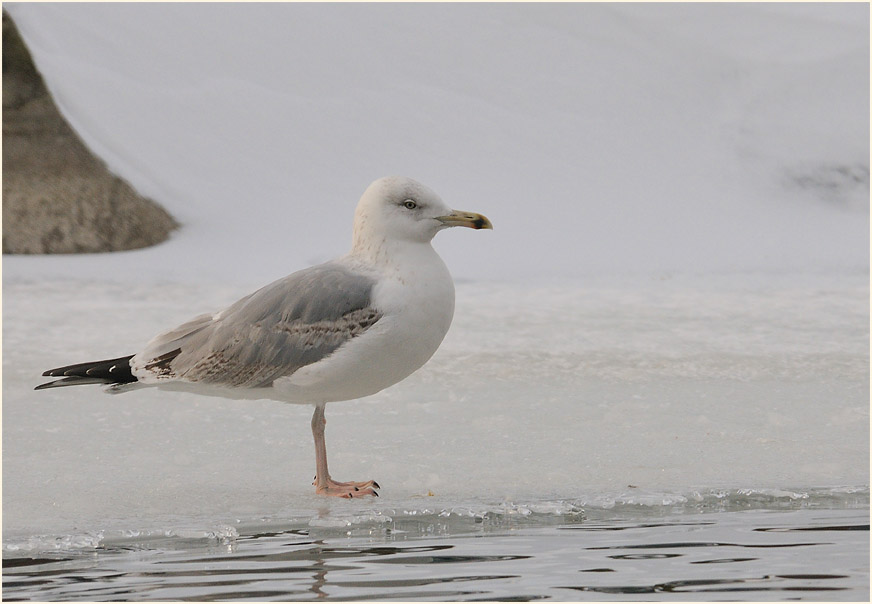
x,y
57,196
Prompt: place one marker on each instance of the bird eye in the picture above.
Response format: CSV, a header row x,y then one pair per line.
x,y
410,204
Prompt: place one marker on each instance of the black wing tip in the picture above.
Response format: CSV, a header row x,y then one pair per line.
x,y
111,371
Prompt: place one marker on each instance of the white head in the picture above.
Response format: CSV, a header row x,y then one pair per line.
x,y
396,208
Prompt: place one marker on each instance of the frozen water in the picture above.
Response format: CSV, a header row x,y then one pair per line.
x,y
673,309
674,387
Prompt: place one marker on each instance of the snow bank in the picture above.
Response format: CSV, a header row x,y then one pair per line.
x,y
598,138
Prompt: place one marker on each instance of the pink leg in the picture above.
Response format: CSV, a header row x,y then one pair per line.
x,y
324,485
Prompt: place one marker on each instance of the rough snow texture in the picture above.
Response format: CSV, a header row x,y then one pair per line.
x,y
675,296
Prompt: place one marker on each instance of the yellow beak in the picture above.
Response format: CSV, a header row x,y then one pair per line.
x,y
467,219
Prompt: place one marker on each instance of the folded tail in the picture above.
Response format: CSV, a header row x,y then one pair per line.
x,y
111,371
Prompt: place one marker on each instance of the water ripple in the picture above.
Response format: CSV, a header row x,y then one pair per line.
x,y
621,559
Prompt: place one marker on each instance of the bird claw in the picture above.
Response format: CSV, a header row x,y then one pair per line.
x,y
346,490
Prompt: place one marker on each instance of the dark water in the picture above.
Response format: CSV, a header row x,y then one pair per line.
x,y
799,554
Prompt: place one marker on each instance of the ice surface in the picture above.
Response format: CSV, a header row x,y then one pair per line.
x,y
654,394
672,310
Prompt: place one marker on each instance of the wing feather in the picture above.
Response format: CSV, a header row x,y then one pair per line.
x,y
293,322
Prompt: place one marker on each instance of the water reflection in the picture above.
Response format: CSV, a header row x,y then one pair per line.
x,y
626,560
705,586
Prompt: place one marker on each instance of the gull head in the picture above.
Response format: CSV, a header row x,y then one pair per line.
x,y
401,209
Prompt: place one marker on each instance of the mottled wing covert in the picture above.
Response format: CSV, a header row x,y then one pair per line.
x,y
291,323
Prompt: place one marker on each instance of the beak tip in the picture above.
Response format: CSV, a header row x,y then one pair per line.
x,y
482,222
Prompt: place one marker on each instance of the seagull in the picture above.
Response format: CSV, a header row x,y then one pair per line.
x,y
337,331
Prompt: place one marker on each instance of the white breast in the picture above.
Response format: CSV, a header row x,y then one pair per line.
x,y
416,296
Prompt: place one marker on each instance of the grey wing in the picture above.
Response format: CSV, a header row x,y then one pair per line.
x,y
271,333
